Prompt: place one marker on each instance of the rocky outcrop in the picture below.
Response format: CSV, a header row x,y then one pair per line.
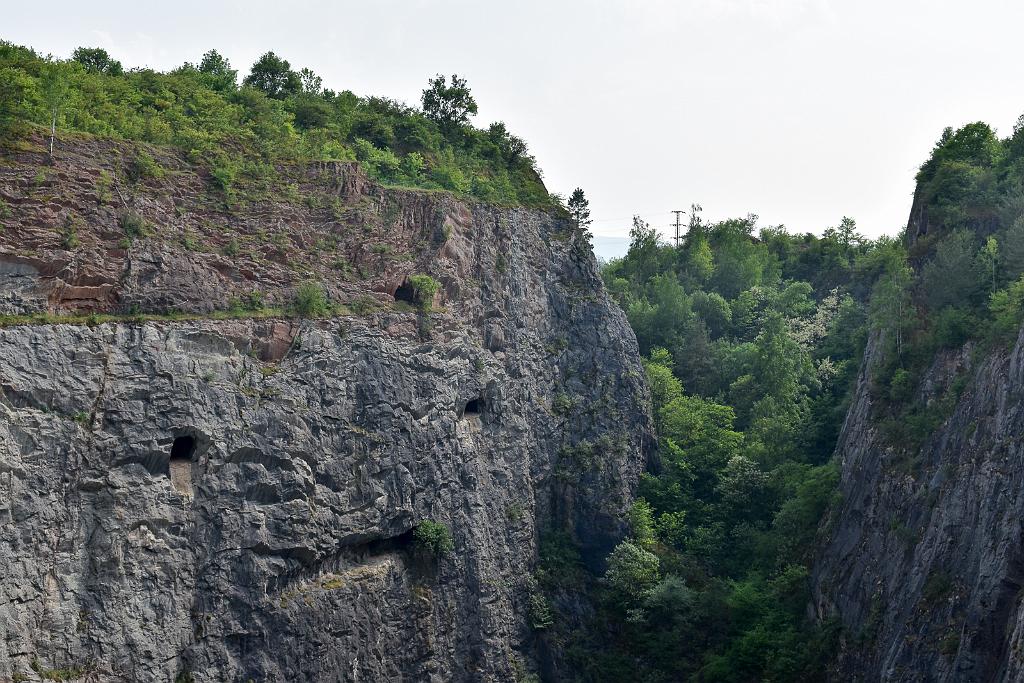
x,y
236,499
924,562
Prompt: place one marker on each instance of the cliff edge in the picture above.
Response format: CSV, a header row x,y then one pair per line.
x,y
195,486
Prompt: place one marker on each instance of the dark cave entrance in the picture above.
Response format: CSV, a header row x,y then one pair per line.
x,y
183,448
180,464
473,408
406,293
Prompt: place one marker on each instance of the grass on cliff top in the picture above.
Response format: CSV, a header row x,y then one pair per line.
x,y
100,318
91,319
235,131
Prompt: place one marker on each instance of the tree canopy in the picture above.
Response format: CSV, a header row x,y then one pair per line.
x,y
449,104
750,369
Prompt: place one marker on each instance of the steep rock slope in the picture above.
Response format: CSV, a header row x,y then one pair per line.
x,y
925,559
235,499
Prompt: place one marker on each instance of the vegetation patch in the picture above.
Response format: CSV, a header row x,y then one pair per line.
x,y
237,129
310,300
433,538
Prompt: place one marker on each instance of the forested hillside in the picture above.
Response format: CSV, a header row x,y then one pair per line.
x,y
752,338
276,114
922,567
963,279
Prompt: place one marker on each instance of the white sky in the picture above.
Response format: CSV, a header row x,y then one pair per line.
x,y
801,111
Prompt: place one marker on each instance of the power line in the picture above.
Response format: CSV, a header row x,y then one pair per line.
x,y
628,218
677,224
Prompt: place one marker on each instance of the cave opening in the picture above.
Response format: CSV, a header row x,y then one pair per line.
x,y
183,448
180,465
407,293
474,407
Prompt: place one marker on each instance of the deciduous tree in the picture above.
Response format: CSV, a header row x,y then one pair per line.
x,y
274,76
450,105
97,60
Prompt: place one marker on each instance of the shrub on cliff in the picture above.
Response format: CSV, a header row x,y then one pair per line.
x,y
425,287
433,538
310,300
143,167
133,224
1007,306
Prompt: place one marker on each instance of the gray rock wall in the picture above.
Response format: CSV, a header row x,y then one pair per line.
x,y
279,546
924,562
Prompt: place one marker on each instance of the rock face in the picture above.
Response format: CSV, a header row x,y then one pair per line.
x,y
925,560
235,499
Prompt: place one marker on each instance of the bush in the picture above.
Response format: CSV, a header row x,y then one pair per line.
x,y
540,614
253,301
223,175
377,162
434,538
952,327
363,305
425,287
559,561
902,386
1007,307
143,167
133,224
562,403
103,185
310,300
70,240
938,586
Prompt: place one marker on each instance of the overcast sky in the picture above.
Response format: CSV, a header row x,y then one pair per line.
x,y
800,111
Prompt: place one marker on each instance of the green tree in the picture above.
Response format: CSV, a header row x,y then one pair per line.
x,y
311,83
579,209
698,259
989,257
511,147
641,524
274,76
1013,250
16,91
450,105
1007,306
847,234
642,261
665,387
55,91
217,67
632,572
97,60
890,307
703,430
953,277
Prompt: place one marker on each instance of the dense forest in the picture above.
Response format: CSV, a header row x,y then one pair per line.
x,y
277,114
753,340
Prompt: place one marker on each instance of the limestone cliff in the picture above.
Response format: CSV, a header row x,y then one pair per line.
x,y
924,561
231,499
